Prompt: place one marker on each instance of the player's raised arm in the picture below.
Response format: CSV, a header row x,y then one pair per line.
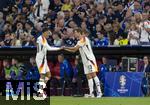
x,y
45,35
50,48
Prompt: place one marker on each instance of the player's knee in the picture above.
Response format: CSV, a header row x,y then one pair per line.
x,y
93,75
42,76
48,75
88,76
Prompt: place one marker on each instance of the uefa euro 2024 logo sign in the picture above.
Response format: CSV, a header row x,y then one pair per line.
x,y
122,80
122,89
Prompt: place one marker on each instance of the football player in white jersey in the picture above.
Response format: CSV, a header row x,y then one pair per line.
x,y
88,59
41,59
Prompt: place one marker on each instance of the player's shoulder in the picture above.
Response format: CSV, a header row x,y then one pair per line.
x,y
83,39
86,39
39,38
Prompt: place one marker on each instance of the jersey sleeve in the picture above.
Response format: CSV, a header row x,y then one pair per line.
x,y
37,41
50,48
38,44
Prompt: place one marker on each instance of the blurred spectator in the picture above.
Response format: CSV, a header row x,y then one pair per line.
x,y
6,69
4,74
15,41
123,41
84,27
91,26
65,66
14,69
146,5
110,15
8,40
22,72
133,35
112,18
66,72
41,8
146,66
19,29
59,26
69,39
33,72
119,14
117,29
2,22
29,27
144,29
101,40
100,11
4,5
2,44
38,27
104,67
55,5
66,6
31,15
98,28
117,41
137,8
7,28
57,40
119,68
28,42
108,32
78,77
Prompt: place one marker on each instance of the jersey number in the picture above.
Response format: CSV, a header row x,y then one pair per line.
x,y
90,67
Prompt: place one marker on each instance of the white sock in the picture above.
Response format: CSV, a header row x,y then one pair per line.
x,y
90,83
97,82
42,85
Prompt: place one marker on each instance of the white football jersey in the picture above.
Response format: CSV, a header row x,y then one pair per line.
x,y
43,47
86,50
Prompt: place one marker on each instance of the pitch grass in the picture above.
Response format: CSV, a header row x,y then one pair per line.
x,y
3,101
101,101
81,101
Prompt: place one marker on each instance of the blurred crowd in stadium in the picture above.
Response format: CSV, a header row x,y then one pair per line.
x,y
106,22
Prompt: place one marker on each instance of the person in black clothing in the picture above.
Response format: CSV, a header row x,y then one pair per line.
x,y
8,40
146,66
55,5
78,77
28,42
66,73
4,4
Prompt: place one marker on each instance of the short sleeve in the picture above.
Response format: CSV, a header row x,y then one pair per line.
x,y
37,41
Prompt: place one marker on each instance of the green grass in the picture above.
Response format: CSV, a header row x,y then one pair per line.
x,y
81,101
101,101
3,101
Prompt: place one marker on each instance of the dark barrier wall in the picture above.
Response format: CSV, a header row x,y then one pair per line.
x,y
112,51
